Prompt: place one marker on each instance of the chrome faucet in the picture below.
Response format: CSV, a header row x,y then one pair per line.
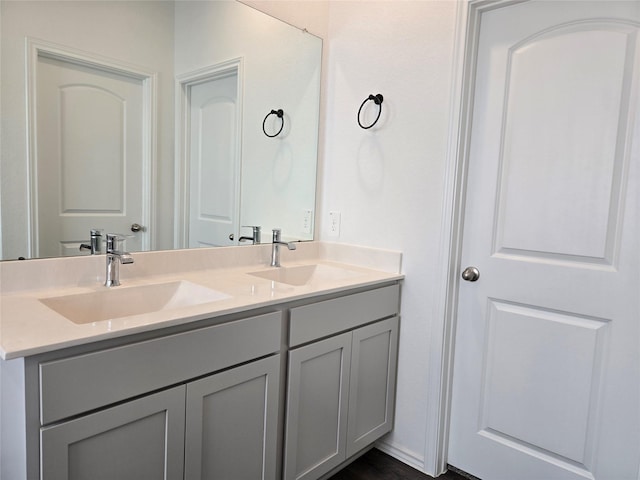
x,y
275,248
255,240
114,258
95,245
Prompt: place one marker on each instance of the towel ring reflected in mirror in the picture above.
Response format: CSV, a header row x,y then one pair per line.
x,y
278,113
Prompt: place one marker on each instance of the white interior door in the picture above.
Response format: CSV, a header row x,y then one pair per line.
x,y
214,162
89,149
546,380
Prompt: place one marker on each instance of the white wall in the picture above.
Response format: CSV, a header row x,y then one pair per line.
x,y
388,182
105,28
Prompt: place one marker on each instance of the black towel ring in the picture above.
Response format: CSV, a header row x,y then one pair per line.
x,y
280,114
377,99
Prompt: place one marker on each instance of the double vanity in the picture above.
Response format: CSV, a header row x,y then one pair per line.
x,y
203,364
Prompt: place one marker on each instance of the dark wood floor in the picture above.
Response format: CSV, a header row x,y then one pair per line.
x,y
376,465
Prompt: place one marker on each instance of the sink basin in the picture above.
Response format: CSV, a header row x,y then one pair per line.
x,y
305,274
109,304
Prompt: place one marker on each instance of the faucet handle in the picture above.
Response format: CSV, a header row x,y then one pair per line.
x,y
277,239
256,233
114,241
95,242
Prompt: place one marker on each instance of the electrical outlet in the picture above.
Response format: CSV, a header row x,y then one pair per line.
x,y
307,220
334,224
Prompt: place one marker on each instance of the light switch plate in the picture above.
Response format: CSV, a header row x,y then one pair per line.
x,y
307,220
334,224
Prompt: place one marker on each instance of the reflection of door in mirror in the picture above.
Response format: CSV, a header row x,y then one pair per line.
x,y
89,142
214,161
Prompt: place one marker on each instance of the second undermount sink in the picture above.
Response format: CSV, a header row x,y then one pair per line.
x,y
112,303
305,274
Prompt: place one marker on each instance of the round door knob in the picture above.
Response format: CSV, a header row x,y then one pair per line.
x,y
231,237
136,227
470,274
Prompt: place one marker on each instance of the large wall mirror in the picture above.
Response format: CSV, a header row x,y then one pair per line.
x,y
176,123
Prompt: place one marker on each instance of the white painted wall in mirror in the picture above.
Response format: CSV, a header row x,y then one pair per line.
x,y
273,169
142,34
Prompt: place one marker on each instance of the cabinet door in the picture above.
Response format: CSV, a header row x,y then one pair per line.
x,y
372,387
317,401
140,439
232,423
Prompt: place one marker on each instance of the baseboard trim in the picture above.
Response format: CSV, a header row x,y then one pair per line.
x,y
405,456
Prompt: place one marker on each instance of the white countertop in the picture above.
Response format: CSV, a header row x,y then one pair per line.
x,y
28,327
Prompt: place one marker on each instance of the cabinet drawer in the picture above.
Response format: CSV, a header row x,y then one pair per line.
x,y
78,384
311,322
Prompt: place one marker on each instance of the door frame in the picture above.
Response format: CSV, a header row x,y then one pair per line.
x,y
39,48
184,82
442,346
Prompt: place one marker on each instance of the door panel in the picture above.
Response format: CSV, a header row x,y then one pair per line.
x,y
547,360
372,384
544,76
136,440
89,156
232,423
214,162
104,173
317,407
529,353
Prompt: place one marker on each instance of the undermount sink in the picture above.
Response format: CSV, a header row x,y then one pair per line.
x,y
112,303
305,274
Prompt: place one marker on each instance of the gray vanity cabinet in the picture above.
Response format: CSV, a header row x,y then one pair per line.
x,y
206,401
341,389
139,439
